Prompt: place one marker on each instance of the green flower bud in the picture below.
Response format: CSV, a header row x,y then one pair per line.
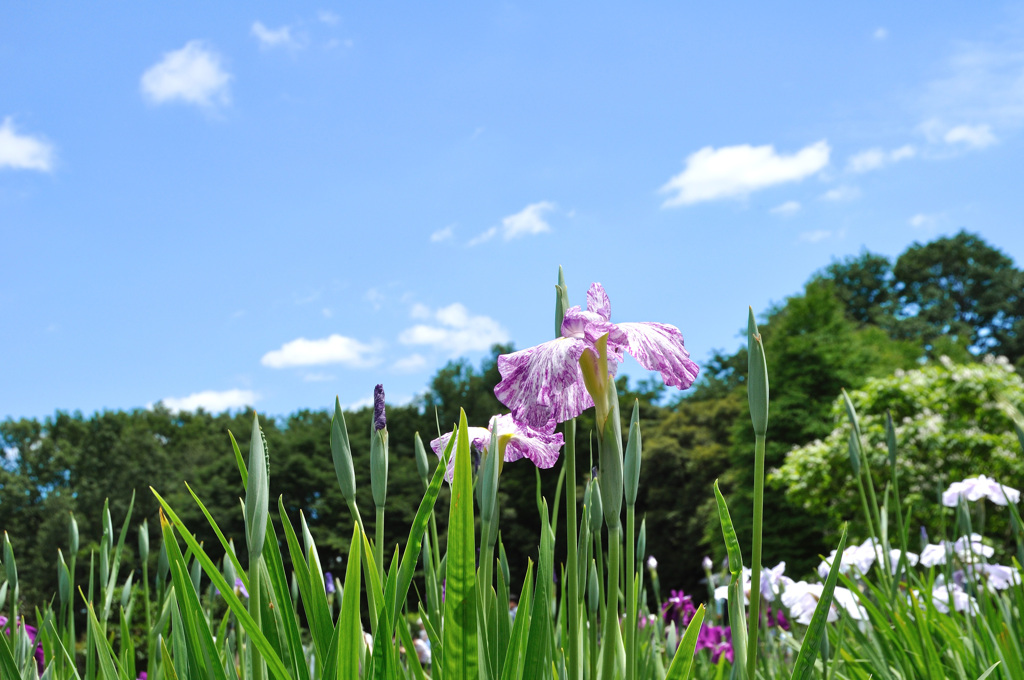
x,y
757,378
342,454
379,449
257,492
593,592
72,535
126,590
9,563
631,471
610,479
561,301
595,508
422,464
144,540
63,578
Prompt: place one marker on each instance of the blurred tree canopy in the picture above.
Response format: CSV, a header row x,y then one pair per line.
x,y
856,320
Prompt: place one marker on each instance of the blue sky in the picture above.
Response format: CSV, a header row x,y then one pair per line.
x,y
274,204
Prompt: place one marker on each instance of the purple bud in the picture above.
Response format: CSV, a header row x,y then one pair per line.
x,y
380,420
329,582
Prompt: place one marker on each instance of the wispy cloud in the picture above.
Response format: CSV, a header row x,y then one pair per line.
x,y
274,37
787,209
328,17
410,364
737,171
923,221
456,331
873,159
334,349
23,152
318,377
444,234
843,192
814,236
880,33
192,74
212,401
973,136
528,221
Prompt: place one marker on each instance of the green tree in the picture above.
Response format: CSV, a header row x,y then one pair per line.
x,y
952,421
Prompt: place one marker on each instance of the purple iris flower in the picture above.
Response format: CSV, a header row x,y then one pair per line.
x,y
718,639
239,589
543,385
380,420
329,582
32,633
679,608
516,439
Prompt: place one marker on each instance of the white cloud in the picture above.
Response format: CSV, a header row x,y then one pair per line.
x,y
274,37
456,331
443,234
844,192
736,171
192,74
420,311
873,159
212,401
974,136
786,209
526,222
23,152
815,236
881,33
984,81
335,349
410,364
328,17
922,221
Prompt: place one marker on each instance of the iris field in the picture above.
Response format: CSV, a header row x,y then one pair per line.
x,y
894,603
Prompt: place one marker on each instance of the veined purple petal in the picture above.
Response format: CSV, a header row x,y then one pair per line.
x,y
479,439
598,302
659,347
576,322
544,384
526,442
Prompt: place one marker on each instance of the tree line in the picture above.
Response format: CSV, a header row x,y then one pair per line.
x,y
862,317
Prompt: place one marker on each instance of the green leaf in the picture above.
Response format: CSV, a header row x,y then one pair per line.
x,y
460,644
812,638
732,543
520,627
257,492
683,660
350,632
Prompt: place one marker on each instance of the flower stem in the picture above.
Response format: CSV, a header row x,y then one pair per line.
x,y
612,639
753,622
630,592
379,548
573,614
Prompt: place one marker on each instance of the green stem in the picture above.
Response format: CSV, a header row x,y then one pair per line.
x,y
753,622
630,592
572,612
379,547
149,622
612,635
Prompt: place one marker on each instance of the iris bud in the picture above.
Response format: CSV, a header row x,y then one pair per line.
x,y
631,473
561,301
144,541
757,378
379,449
422,465
341,452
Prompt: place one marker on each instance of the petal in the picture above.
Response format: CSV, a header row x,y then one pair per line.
x,y
575,322
540,447
598,302
479,439
544,383
659,347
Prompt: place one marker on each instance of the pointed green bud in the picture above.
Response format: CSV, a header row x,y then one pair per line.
x,y
257,492
422,463
163,566
126,590
641,542
144,540
379,466
9,564
634,450
72,535
561,301
595,508
488,482
108,526
593,592
63,578
341,451
757,377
